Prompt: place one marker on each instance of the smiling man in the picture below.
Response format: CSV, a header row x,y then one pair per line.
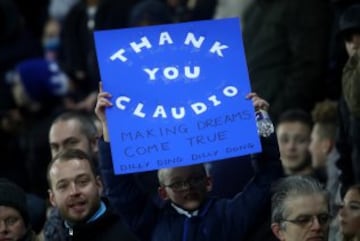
x,y
300,210
75,189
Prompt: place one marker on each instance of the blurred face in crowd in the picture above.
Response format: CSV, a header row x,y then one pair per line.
x,y
349,213
18,91
67,134
319,148
187,187
74,189
12,226
294,140
51,31
51,39
352,43
306,218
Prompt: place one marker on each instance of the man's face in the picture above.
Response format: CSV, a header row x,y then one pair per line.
x,y
294,139
352,43
187,186
67,134
349,214
74,189
12,226
312,208
318,148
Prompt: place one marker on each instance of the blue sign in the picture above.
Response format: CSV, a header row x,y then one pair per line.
x,y
178,93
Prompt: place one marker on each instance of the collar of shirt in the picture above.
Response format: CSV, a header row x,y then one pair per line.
x,y
184,212
96,215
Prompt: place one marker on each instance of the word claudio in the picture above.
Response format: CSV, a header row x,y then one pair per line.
x,y
123,102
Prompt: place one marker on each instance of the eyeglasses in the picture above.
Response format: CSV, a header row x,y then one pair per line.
x,y
308,220
179,186
10,221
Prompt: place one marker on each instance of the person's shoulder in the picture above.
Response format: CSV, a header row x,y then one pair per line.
x,y
116,227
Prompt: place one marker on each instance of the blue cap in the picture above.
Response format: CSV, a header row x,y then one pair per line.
x,y
42,79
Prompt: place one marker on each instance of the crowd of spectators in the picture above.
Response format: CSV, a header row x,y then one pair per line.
x,y
303,58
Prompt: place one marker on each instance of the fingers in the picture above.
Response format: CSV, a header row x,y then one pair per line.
x,y
102,103
258,102
103,97
261,104
251,95
100,87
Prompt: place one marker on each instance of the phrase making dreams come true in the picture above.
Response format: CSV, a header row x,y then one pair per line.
x,y
171,73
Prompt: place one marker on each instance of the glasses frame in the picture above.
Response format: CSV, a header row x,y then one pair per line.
x,y
308,220
179,186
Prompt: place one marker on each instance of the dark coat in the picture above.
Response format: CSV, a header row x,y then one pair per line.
x,y
108,227
286,51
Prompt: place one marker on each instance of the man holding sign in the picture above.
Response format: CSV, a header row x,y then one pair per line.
x,y
188,213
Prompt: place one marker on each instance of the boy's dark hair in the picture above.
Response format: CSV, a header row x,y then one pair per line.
x,y
70,154
294,115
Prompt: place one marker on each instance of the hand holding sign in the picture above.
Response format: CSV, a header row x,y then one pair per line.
x,y
102,103
258,102
178,95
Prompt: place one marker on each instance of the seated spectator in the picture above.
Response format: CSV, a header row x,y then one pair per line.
x,y
69,130
51,39
14,216
324,154
348,141
74,130
75,189
300,210
293,132
349,215
187,211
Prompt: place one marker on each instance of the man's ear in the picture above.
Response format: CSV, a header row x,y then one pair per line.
x,y
277,231
326,146
162,193
209,184
99,184
52,198
94,144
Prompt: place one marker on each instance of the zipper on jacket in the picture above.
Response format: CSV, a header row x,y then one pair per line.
x,y
71,232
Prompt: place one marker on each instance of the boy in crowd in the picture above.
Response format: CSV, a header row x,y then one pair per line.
x,y
188,212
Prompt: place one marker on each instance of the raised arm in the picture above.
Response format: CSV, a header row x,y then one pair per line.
x,y
244,210
123,191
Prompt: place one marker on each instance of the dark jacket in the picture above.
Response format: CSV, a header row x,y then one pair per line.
x,y
30,236
108,227
218,219
286,51
348,141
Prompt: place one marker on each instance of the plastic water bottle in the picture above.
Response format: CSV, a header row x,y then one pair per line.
x,y
264,125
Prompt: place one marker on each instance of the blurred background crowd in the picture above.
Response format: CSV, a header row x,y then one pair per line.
x,y
302,56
